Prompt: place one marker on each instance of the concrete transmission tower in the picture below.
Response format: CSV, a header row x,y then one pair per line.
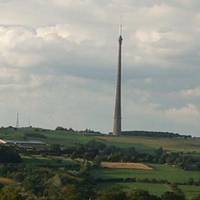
x,y
17,121
117,112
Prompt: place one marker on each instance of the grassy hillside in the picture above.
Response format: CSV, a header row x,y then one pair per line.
x,y
172,144
111,177
156,181
157,189
160,172
67,138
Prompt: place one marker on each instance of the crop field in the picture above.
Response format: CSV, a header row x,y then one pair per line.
x,y
130,176
117,165
159,172
6,181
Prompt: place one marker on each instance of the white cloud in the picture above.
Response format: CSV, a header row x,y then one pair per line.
x,y
190,93
58,61
187,114
148,37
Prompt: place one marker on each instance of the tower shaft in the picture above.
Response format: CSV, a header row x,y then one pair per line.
x,y
17,121
117,112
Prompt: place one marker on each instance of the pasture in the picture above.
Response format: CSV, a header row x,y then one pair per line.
x,y
67,139
50,161
118,177
115,173
159,172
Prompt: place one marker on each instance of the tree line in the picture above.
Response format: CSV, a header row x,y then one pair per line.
x,y
99,151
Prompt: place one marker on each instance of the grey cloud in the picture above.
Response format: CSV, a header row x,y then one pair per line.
x,y
59,58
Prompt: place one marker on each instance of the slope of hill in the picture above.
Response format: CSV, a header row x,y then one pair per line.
x,y
69,161
69,137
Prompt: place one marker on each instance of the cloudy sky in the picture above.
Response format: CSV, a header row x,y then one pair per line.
x,y
58,62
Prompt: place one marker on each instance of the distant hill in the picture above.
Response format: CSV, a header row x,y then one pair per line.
x,y
140,140
31,131
155,134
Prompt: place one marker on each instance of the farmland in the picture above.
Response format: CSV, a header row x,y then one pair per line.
x,y
67,139
129,162
159,172
120,165
157,189
150,180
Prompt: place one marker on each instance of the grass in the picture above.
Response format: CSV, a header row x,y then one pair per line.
x,y
160,172
190,191
144,144
67,139
48,136
172,144
156,189
50,161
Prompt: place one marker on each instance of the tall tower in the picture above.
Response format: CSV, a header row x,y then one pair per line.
x,y
117,112
17,121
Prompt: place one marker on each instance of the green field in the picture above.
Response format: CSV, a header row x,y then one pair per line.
x,y
143,144
71,139
173,144
156,189
160,172
50,161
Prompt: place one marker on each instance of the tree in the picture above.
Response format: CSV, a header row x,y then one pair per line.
x,y
196,197
70,193
55,148
11,194
114,193
9,155
142,195
172,196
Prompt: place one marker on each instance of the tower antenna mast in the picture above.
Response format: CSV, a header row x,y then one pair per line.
x,y
17,121
117,112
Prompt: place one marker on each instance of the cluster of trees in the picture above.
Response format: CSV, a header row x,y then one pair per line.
x,y
70,192
155,134
70,130
118,194
99,151
9,155
190,181
45,183
50,184
60,128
